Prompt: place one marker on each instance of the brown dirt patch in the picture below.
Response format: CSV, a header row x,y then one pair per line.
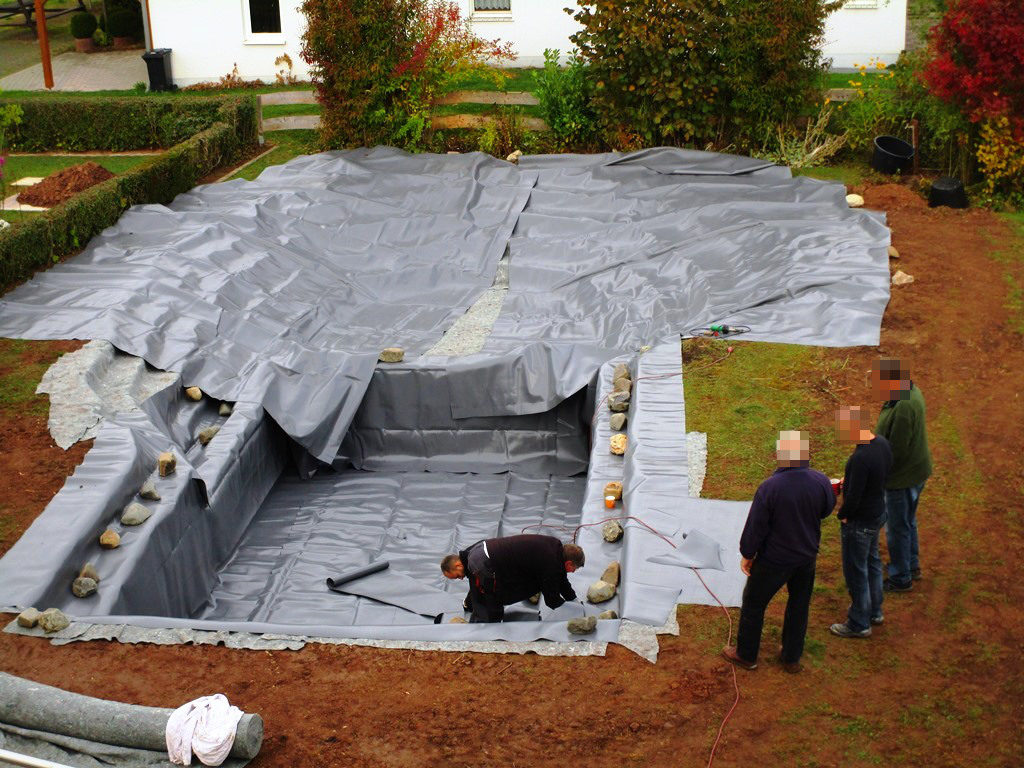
x,y
940,684
64,184
32,466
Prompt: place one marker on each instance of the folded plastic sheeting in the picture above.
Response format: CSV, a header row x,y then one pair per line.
x,y
282,291
308,530
279,293
405,592
615,252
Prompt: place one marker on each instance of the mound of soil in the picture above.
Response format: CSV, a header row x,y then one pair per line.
x,y
64,184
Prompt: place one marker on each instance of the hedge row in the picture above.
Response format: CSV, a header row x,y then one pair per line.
x,y
41,240
123,123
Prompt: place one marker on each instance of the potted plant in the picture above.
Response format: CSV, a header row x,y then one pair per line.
x,y
120,25
82,26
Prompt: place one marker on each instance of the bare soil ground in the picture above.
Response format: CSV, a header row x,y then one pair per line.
x,y
940,684
64,184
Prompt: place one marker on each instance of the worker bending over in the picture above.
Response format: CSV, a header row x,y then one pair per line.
x,y
514,568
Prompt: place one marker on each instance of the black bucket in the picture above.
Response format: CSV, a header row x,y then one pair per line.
x,y
948,191
891,155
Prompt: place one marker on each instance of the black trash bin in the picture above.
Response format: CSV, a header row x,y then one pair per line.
x,y
158,62
891,155
947,191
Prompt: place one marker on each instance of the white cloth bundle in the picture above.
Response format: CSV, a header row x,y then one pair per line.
x,y
205,726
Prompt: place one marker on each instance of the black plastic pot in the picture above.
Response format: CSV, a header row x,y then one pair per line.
x,y
891,155
158,62
947,191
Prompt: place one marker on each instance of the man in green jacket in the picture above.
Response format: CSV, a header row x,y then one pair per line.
x,y
902,422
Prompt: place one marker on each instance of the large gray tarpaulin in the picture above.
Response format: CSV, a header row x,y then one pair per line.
x,y
616,251
280,292
283,291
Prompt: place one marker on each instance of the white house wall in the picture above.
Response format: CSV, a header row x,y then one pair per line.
x,y
863,29
207,39
531,26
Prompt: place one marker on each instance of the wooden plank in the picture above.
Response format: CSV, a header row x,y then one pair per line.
x,y
288,97
454,122
291,123
522,98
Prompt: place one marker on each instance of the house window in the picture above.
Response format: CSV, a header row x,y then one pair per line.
x,y
262,22
264,16
491,10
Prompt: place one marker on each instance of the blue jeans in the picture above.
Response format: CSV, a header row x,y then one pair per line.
x,y
901,532
862,569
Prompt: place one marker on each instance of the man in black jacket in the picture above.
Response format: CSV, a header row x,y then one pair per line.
x,y
513,568
779,547
862,516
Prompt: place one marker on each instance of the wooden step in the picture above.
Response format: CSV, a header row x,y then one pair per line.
x,y
523,98
291,123
288,97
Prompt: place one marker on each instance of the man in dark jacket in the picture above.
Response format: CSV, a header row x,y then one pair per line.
x,y
511,569
861,517
902,422
779,546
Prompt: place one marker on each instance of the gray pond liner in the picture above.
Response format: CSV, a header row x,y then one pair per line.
x,y
279,293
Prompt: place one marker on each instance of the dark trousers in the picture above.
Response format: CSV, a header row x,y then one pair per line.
x,y
764,581
485,604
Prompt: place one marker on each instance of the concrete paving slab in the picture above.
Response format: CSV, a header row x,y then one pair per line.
x,y
27,181
106,71
11,204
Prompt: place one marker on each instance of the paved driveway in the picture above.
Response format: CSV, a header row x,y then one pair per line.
x,y
107,71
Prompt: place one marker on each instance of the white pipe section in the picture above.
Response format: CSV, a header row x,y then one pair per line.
x,y
16,758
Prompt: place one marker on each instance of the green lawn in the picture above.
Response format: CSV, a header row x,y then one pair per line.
x,y
288,144
850,174
514,79
19,166
19,47
743,402
283,110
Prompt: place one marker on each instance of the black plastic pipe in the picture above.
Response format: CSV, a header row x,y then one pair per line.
x,y
358,573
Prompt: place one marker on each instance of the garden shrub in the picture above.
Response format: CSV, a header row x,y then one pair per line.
x,y
83,25
379,66
977,67
700,71
566,100
505,134
120,23
944,139
41,240
123,123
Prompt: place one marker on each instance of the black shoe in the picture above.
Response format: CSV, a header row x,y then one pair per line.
x,y
891,586
876,620
915,575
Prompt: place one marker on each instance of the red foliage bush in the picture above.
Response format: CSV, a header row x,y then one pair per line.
x,y
378,65
978,60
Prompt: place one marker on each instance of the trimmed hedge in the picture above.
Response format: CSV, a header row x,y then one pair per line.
x,y
38,242
124,123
